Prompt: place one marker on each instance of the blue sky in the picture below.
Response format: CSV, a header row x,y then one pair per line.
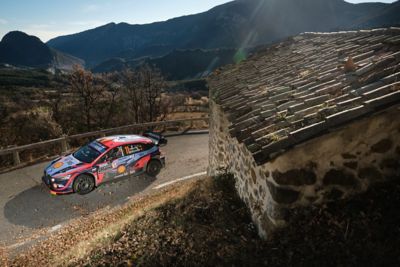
x,y
50,18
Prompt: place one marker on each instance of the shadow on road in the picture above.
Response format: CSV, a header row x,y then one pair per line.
x,y
36,208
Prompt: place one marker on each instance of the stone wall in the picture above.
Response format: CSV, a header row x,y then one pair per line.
x,y
336,165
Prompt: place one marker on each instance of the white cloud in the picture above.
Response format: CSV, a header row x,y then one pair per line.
x,y
3,22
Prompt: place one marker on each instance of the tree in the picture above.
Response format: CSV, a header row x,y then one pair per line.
x,y
3,116
56,99
32,126
3,111
89,91
153,84
108,107
142,94
132,94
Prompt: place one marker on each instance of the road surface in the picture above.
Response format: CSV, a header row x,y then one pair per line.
x,y
28,208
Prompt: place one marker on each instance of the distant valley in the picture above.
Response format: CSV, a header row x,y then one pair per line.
x,y
178,64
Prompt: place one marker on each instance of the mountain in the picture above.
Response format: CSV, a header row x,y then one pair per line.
x,y
241,23
19,49
176,65
387,17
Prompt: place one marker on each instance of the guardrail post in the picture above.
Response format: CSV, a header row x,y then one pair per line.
x,y
16,158
64,144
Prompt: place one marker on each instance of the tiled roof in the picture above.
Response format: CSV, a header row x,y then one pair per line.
x,y
305,86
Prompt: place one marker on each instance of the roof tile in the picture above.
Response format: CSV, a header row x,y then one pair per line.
x,y
289,92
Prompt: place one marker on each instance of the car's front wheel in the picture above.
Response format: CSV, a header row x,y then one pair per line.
x,y
153,168
83,184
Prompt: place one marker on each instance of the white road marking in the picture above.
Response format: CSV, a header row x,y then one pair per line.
x,y
17,245
58,226
180,179
54,228
20,244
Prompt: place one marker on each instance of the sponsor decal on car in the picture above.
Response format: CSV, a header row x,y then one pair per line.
x,y
58,165
121,169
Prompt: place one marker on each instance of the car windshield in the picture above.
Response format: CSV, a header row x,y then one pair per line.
x,y
89,152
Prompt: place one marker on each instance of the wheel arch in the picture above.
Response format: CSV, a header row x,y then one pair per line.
x,y
155,160
88,174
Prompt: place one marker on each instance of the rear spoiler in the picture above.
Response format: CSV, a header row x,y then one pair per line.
x,y
157,138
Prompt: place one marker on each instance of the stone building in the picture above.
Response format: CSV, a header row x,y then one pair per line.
x,y
312,119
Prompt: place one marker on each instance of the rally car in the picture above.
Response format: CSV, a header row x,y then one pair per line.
x,y
103,160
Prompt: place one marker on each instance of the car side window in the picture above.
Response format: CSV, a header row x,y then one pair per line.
x,y
132,149
113,154
148,146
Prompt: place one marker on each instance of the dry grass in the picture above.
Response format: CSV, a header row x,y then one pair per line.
x,y
86,234
3,257
204,223
190,115
203,101
186,115
210,226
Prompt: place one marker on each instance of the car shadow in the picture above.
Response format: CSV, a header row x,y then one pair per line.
x,y
37,208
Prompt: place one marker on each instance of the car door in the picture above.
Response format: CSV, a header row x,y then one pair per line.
x,y
131,152
108,166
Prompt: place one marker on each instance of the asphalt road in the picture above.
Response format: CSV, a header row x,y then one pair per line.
x,y
28,208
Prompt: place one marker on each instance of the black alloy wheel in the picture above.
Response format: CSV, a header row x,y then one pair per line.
x,y
153,168
83,184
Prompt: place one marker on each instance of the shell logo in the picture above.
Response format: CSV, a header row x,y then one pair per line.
x,y
121,169
105,139
58,165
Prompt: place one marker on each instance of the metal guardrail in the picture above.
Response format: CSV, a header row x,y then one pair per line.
x,y
63,141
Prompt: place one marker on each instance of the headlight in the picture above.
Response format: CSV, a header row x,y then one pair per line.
x,y
64,178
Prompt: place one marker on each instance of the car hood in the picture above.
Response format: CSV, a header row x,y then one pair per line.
x,y
62,165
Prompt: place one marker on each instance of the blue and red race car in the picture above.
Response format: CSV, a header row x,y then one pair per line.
x,y
103,160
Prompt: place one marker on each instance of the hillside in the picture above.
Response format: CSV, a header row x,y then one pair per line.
x,y
389,16
241,23
19,49
13,80
163,229
176,65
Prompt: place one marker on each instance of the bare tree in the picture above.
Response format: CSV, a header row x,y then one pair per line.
x,y
132,94
88,90
152,83
142,93
3,110
3,116
109,104
56,98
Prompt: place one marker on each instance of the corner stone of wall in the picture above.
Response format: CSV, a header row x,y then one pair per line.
x,y
334,166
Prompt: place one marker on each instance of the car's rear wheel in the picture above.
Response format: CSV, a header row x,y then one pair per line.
x,y
153,168
83,184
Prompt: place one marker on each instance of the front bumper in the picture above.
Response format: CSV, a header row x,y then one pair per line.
x,y
55,191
